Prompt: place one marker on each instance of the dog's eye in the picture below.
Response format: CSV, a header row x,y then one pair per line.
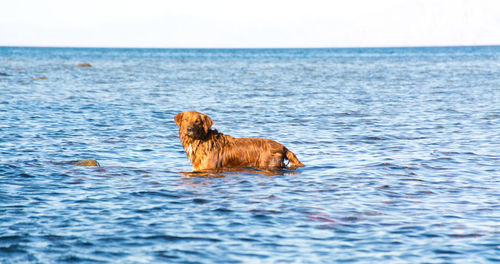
x,y
197,121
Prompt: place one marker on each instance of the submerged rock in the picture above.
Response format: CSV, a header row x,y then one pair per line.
x,y
84,65
87,162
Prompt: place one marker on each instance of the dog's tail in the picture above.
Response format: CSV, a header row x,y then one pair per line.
x,y
294,163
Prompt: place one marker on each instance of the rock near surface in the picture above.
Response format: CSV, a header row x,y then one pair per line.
x,y
87,162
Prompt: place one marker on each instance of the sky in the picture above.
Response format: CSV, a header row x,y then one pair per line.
x,y
249,23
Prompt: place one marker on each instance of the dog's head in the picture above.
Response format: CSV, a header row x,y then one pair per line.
x,y
193,124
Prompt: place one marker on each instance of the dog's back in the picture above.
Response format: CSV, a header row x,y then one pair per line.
x,y
251,152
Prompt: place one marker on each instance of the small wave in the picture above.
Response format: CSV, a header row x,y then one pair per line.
x,y
388,165
159,194
472,235
446,252
223,210
373,138
13,249
170,238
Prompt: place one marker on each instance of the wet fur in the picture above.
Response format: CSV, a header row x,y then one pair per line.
x,y
207,149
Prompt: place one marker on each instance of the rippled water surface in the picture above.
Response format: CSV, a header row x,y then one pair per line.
x,y
401,148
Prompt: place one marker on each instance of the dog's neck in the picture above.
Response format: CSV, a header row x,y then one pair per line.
x,y
192,145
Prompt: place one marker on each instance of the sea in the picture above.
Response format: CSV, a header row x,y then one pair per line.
x,y
401,148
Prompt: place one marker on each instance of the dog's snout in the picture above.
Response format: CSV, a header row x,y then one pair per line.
x,y
192,130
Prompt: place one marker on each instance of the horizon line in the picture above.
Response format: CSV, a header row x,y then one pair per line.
x,y
249,48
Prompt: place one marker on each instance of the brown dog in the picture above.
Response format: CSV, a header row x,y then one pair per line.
x,y
208,149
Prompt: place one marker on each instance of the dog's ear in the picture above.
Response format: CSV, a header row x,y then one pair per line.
x,y
178,119
207,123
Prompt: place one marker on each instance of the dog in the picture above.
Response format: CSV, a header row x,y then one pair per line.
x,y
207,149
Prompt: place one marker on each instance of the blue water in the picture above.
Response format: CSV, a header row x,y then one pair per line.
x,y
401,148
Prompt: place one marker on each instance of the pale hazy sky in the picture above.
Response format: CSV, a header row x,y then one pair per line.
x,y
249,23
